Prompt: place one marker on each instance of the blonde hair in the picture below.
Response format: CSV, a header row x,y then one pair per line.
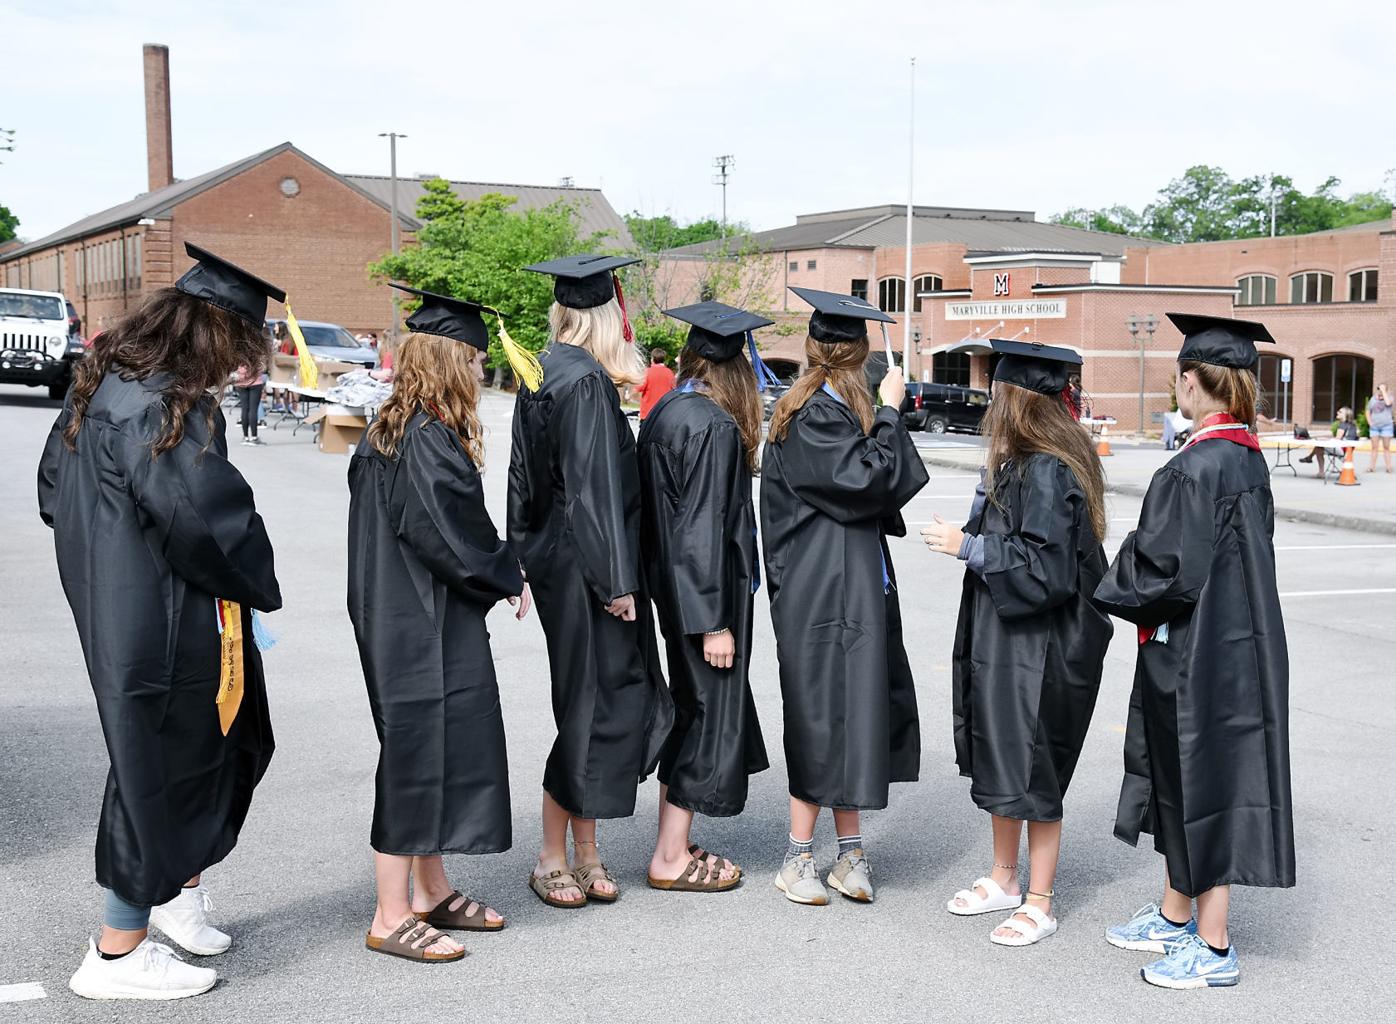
x,y
600,331
434,375
1233,387
840,366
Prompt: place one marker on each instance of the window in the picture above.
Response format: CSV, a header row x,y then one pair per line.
x,y
927,283
950,367
133,253
1362,286
858,288
1273,398
1311,286
810,264
1256,290
1339,381
891,295
794,266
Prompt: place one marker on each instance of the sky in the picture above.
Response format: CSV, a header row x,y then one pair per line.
x,y
1021,105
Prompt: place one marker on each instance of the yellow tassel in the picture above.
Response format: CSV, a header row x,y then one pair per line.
x,y
523,362
310,373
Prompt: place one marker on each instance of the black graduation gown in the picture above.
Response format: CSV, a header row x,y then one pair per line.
x,y
145,548
425,565
698,542
1029,645
1207,744
830,495
574,520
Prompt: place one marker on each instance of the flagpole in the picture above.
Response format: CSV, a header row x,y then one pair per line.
x,y
910,293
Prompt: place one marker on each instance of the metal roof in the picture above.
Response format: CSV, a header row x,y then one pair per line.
x,y
595,213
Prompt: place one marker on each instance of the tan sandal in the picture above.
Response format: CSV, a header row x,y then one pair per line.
x,y
701,875
458,920
547,886
410,941
694,850
590,874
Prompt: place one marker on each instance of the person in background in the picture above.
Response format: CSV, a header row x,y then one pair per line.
x,y
658,382
163,558
248,382
1380,426
1029,646
1346,428
417,512
1207,736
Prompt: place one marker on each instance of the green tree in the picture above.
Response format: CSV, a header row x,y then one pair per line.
x,y
474,249
1115,220
9,224
655,234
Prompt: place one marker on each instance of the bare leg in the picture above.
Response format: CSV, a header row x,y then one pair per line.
x,y
802,819
1212,909
430,887
1386,452
847,823
671,854
1008,833
1044,847
1175,906
391,874
117,941
584,834
553,855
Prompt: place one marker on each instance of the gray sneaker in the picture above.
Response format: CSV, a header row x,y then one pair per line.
x,y
798,878
853,877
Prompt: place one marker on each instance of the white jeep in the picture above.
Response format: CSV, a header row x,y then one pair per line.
x,y
35,346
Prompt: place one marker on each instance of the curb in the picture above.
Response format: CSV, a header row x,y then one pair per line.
x,y
1289,515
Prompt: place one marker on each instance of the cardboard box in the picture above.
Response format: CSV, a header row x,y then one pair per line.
x,y
337,429
287,369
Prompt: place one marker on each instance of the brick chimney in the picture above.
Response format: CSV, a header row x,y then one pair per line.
x,y
159,155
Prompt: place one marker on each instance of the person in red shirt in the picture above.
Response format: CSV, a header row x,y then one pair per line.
x,y
658,382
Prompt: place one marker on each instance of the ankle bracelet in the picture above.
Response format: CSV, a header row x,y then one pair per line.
x,y
1041,895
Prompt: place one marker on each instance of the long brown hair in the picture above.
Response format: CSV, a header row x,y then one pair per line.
x,y
732,385
434,375
1234,388
197,344
841,367
1021,422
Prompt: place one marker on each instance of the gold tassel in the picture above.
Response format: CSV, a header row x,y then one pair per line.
x,y
310,373
523,362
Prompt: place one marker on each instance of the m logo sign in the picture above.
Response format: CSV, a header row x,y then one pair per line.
x,y
1000,285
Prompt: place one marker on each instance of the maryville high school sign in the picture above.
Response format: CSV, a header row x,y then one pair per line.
x,y
1007,309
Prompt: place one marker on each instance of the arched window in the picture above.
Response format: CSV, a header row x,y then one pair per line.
x,y
925,283
1256,290
950,367
1311,286
891,295
1338,381
1362,285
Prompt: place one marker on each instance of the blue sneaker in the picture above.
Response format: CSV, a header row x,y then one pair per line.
x,y
1148,931
1192,964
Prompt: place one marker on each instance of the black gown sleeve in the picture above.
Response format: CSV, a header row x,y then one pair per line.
x,y
437,508
846,474
1162,565
203,512
593,485
1034,569
701,581
520,491
48,468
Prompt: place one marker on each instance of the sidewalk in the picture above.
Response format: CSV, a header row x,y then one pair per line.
x,y
1302,499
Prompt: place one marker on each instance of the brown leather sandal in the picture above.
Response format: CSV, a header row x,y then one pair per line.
x,y
694,850
410,941
701,875
547,886
458,920
590,874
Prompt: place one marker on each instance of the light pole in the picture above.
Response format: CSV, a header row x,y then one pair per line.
x,y
1147,324
392,138
723,164
7,140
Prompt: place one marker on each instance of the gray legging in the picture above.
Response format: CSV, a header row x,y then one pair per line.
x,y
249,399
123,916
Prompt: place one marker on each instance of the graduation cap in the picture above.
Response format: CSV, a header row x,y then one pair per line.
x,y
1045,369
449,317
838,317
1219,340
584,281
718,332
222,284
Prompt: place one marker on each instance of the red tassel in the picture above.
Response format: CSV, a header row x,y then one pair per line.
x,y
624,318
1070,405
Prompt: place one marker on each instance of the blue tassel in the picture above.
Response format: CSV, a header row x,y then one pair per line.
x,y
261,636
765,377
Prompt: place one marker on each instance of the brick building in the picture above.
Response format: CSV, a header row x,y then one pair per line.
x,y
1328,298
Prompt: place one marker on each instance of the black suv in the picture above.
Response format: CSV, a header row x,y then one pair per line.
x,y
940,407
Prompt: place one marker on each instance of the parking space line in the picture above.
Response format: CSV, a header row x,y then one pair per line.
x,y
1338,593
22,992
1333,547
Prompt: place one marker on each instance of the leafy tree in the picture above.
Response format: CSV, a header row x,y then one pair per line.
x,y
655,234
1117,219
9,224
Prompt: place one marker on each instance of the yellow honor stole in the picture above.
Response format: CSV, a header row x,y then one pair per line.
x,y
230,682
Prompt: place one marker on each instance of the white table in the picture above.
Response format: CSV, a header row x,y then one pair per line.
x,y
1285,444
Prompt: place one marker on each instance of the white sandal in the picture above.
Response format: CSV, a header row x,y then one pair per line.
x,y
1025,934
996,899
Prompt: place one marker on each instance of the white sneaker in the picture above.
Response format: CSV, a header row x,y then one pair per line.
x,y
150,971
185,920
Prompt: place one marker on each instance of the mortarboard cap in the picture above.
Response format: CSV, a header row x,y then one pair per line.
x,y
583,281
458,319
1219,340
718,331
1045,369
229,287
838,317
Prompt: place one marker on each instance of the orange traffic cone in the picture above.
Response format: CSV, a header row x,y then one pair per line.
x,y
1102,447
1348,477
